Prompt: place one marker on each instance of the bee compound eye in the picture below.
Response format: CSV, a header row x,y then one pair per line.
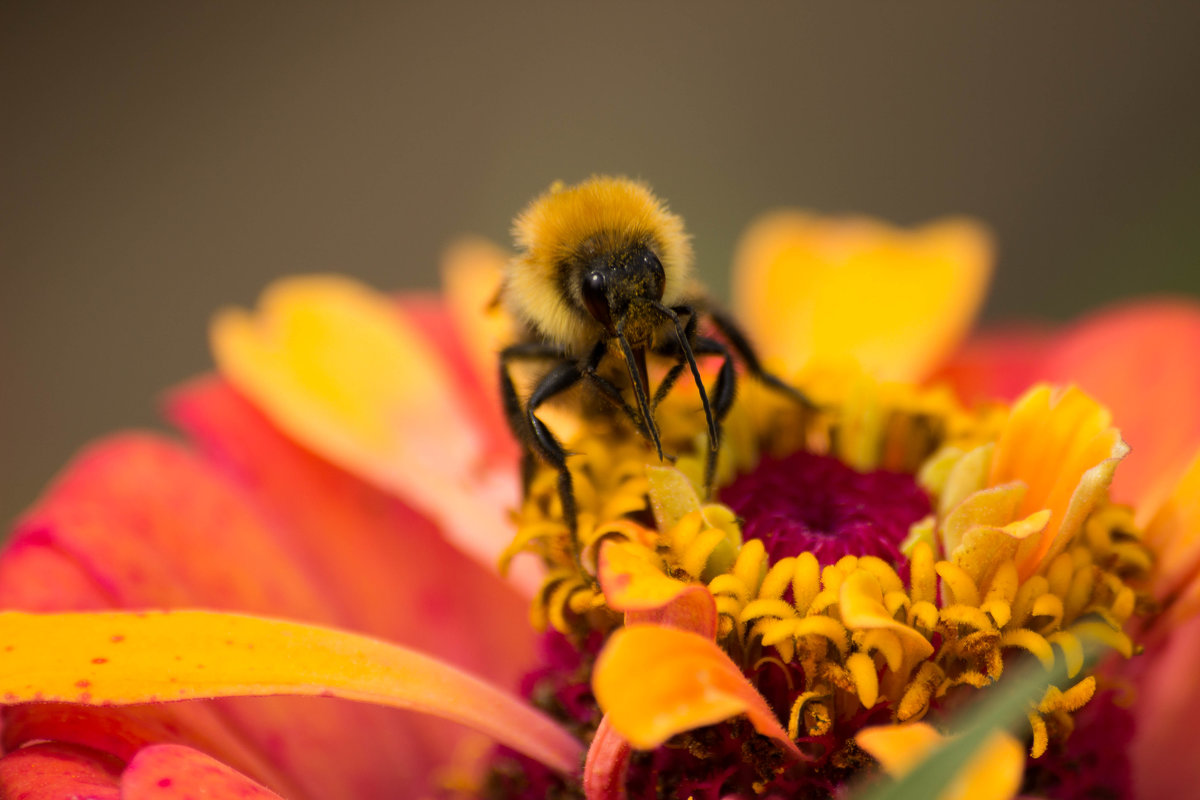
x,y
595,297
655,267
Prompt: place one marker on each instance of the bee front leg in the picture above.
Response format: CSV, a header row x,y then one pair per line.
x,y
721,396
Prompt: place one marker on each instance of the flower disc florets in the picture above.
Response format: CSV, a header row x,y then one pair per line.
x,y
876,563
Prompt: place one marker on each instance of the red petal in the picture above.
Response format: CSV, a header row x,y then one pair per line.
x,y
51,771
998,364
174,772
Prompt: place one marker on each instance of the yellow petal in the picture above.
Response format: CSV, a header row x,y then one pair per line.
x,y
122,658
993,773
341,371
827,290
654,682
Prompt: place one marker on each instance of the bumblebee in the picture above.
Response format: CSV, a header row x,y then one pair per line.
x,y
602,276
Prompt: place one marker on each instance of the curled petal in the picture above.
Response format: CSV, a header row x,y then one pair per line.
x,y
175,772
120,658
607,764
896,301
53,771
862,608
640,589
654,682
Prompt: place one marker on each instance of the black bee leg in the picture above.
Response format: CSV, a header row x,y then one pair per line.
x,y
729,329
721,396
609,390
514,410
546,444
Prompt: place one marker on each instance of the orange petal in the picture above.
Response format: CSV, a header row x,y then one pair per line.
x,y
653,682
343,373
826,290
607,764
121,658
54,771
1061,445
175,772
993,773
640,589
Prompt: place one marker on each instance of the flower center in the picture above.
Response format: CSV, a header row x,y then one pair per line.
x,y
811,502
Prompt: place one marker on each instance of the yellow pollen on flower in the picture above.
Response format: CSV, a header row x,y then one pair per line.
x,y
1022,554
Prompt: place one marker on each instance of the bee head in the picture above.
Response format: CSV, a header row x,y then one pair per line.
x,y
594,257
614,285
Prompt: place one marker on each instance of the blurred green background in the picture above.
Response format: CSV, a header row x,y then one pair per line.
x,y
162,160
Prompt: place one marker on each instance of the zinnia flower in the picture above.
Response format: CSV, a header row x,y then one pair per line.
x,y
873,564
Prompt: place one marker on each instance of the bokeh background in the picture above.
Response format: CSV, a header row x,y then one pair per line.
x,y
162,160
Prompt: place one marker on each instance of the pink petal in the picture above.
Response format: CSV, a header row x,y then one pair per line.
x,y
152,525
1168,704
374,558
52,771
174,772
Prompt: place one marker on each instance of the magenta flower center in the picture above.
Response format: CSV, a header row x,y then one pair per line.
x,y
816,503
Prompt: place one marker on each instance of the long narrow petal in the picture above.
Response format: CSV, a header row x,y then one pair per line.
x,y
640,589
897,301
654,682
343,372
175,772
122,658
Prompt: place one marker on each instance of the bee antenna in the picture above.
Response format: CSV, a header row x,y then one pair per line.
x,y
686,347
636,361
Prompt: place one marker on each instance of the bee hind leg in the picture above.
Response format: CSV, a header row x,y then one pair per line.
x,y
729,329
